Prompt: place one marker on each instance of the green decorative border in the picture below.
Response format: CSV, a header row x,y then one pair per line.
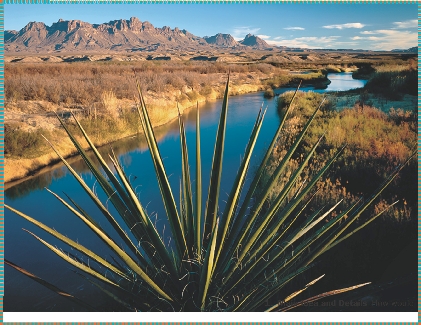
x,y
2,2
201,1
1,160
419,163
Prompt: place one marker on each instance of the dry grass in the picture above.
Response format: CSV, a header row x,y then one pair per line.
x,y
376,143
83,83
110,103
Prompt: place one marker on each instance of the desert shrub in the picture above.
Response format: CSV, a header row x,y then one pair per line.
x,y
265,68
332,68
364,71
399,116
24,144
192,95
278,80
82,83
205,90
269,93
393,84
376,143
110,104
304,103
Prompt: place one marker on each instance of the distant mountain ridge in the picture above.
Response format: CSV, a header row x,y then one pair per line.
x,y
118,35
224,40
410,50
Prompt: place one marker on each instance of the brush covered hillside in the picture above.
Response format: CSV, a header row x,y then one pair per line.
x,y
120,35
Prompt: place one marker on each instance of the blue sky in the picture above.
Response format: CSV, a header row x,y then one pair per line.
x,y
381,26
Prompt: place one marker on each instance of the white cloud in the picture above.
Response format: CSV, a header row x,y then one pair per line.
x,y
240,32
368,32
278,37
294,28
348,25
263,36
394,39
306,42
369,38
406,24
389,39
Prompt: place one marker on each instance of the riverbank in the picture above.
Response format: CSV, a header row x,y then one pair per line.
x,y
107,115
98,126
19,169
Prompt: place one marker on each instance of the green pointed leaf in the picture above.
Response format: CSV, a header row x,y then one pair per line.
x,y
50,286
71,243
123,235
216,171
207,267
360,227
237,186
164,185
245,247
321,296
186,190
240,233
198,219
73,262
122,254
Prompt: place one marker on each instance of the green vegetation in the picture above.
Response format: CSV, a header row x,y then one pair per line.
x,y
233,259
106,128
318,79
24,144
365,71
333,69
102,127
393,84
376,143
269,93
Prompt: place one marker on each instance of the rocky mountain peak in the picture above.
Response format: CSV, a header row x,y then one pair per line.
x,y
67,25
254,41
34,26
134,23
225,40
123,35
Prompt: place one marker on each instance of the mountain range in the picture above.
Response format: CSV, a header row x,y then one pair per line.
x,y
116,36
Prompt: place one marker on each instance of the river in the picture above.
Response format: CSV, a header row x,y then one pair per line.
x,y
29,196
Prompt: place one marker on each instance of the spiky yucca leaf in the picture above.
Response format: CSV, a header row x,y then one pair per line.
x,y
50,286
233,259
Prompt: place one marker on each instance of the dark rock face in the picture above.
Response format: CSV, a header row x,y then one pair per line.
x,y
8,34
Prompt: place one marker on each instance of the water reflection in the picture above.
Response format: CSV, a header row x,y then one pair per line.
x,y
132,152
123,148
344,81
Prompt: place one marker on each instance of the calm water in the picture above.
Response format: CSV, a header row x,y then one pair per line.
x,y
23,294
344,81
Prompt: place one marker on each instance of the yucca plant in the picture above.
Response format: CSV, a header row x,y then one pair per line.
x,y
231,259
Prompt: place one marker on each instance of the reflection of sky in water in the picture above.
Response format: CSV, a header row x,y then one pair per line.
x,y
344,81
27,196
